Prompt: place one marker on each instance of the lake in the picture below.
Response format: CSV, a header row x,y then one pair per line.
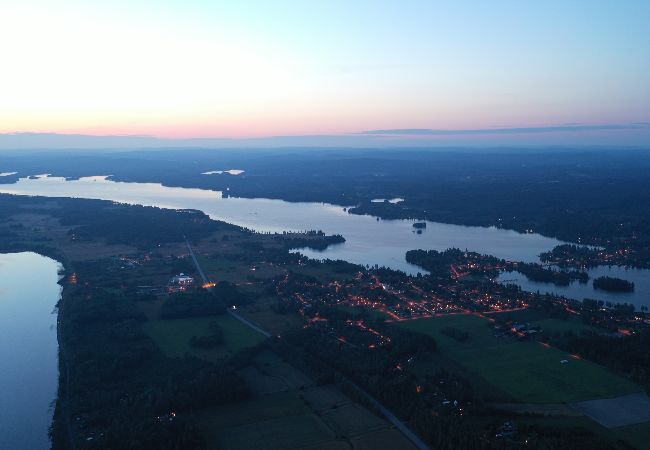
x,y
640,278
28,349
368,240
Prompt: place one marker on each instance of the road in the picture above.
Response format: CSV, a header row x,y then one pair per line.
x,y
230,311
196,262
249,323
385,412
401,426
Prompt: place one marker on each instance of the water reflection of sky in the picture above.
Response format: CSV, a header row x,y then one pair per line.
x,y
368,240
28,349
578,291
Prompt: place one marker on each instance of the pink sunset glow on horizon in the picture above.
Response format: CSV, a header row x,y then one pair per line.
x,y
209,71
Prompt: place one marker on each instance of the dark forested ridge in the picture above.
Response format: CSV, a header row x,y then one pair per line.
x,y
591,196
118,224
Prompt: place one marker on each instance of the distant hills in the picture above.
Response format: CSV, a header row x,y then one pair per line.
x,y
568,135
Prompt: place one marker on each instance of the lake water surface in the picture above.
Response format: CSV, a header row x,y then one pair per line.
x,y
28,349
368,240
640,278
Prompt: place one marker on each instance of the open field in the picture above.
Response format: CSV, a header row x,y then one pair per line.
x,y
273,376
258,409
352,419
322,398
528,371
384,439
527,315
278,433
284,420
260,313
289,411
226,267
43,228
535,317
616,412
561,326
173,336
636,435
324,273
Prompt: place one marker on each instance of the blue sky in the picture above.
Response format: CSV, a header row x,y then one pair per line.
x,y
255,69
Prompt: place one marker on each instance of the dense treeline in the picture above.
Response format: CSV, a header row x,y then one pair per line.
x,y
203,302
438,263
629,355
613,284
194,303
315,244
588,196
210,341
535,272
145,226
214,339
119,390
629,254
141,226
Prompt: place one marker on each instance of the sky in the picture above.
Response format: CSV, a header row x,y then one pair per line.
x,y
387,72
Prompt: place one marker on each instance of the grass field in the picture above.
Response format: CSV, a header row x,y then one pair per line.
x,y
535,317
636,435
560,326
528,371
229,269
523,315
261,313
173,336
278,433
352,419
384,439
285,420
617,412
299,415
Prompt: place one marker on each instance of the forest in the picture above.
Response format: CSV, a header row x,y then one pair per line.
x,y
595,196
613,284
535,272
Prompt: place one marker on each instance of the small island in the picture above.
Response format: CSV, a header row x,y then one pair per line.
x,y
612,284
538,273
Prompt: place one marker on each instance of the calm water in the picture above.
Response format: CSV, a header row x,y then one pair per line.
x,y
368,240
640,278
28,349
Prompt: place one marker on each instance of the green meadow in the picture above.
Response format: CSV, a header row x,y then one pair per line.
x,y
527,371
173,336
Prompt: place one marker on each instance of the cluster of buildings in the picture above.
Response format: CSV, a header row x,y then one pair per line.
x,y
179,283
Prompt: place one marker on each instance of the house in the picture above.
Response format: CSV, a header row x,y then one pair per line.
x,y
181,280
